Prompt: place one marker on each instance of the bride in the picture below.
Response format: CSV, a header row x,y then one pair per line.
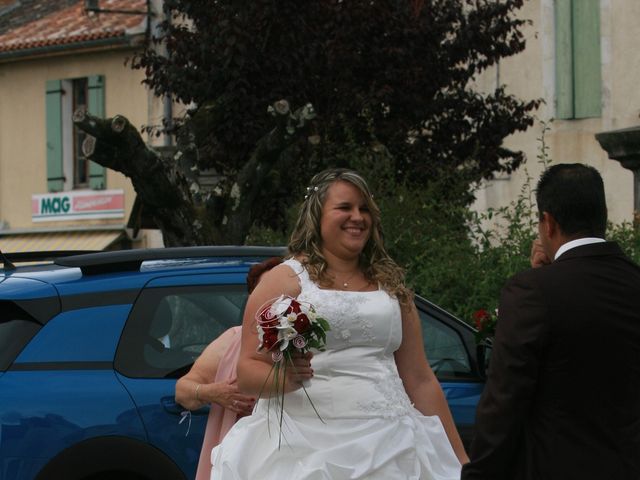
x,y
381,413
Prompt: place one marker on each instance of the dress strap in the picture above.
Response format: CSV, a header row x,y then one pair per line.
x,y
301,272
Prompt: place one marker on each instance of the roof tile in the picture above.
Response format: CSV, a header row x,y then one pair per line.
x,y
40,24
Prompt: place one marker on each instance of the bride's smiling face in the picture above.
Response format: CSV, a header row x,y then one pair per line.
x,y
345,225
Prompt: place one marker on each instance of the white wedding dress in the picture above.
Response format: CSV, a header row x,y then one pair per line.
x,y
369,428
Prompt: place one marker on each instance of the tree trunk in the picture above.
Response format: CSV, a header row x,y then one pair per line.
x,y
170,191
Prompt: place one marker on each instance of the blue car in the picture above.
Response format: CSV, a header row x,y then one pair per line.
x,y
91,346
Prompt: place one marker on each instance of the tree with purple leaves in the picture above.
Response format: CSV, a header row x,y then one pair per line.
x,y
281,89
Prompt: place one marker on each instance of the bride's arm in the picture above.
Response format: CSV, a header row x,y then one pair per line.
x,y
420,382
254,367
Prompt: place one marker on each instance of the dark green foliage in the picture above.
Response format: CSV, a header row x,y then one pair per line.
x,y
390,83
628,236
383,72
455,257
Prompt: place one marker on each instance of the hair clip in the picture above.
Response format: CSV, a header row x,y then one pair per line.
x,y
310,191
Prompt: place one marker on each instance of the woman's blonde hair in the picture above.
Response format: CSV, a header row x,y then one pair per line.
x,y
306,239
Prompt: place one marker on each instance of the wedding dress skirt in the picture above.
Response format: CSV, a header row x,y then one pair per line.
x,y
367,428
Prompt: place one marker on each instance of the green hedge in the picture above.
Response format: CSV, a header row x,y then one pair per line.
x,y
450,256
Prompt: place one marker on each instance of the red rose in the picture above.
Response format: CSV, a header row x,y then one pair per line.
x,y
294,307
269,338
481,317
267,319
266,315
302,323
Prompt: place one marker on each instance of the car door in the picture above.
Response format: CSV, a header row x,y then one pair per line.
x,y
173,320
451,350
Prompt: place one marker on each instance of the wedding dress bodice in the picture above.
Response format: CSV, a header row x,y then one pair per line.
x,y
356,375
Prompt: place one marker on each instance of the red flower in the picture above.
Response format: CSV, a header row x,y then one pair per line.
x,y
302,323
294,307
481,317
485,324
270,338
267,319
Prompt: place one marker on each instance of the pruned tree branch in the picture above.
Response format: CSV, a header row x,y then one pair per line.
x,y
168,186
114,143
290,127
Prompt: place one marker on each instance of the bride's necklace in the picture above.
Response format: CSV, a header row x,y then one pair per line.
x,y
345,283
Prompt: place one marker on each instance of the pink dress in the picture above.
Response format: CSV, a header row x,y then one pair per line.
x,y
220,420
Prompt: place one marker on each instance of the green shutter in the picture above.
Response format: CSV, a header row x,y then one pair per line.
x,y
97,173
564,59
586,58
55,172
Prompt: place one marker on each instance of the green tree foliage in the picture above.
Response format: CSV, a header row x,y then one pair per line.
x,y
454,256
627,234
380,74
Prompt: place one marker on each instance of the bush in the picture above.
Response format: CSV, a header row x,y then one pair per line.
x,y
628,236
451,257
470,273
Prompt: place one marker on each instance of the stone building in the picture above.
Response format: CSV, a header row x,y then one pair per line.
x,y
582,59
57,56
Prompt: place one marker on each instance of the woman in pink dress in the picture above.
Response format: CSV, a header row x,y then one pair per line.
x,y
212,380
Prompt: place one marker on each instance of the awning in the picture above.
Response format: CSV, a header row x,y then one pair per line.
x,y
47,242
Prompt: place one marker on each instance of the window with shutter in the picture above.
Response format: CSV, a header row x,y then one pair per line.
x,y
67,167
578,65
55,172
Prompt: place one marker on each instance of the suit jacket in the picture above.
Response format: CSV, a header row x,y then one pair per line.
x,y
562,399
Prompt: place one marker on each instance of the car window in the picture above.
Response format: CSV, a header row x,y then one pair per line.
x,y
169,327
17,327
445,348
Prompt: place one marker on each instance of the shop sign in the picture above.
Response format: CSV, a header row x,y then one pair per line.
x,y
77,205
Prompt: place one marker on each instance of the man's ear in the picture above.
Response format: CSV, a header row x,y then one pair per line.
x,y
549,225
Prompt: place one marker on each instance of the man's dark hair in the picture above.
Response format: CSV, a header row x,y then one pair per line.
x,y
574,194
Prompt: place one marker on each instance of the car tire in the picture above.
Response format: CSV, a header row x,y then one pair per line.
x,y
111,457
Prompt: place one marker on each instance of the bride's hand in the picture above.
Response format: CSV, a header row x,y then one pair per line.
x,y
298,370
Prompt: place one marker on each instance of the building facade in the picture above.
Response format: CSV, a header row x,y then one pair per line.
x,y
582,59
57,56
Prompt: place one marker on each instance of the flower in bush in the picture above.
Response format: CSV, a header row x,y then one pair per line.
x,y
485,323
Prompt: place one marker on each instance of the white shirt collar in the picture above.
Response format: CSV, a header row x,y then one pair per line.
x,y
577,243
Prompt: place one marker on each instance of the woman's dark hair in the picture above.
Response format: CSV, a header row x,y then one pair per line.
x,y
573,194
256,271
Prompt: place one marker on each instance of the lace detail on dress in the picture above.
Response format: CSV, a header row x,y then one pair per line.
x,y
303,277
341,309
367,330
394,402
344,312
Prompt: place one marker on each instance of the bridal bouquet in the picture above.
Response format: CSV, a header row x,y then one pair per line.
x,y
287,326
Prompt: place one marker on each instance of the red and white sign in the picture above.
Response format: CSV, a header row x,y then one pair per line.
x,y
77,205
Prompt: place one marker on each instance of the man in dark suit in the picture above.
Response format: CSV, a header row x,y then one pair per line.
x,y
562,399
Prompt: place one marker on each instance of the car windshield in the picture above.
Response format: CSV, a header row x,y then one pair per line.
x,y
17,327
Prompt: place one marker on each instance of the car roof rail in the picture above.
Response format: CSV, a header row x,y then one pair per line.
x,y
131,260
6,263
38,256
